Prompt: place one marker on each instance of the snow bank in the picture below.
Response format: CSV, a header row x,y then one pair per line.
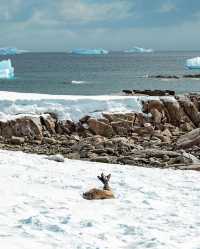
x,y
89,51
193,63
139,50
67,106
42,206
6,69
11,51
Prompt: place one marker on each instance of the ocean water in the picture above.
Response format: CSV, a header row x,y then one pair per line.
x,y
67,74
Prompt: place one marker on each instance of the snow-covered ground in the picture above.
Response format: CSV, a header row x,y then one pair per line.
x,y
42,207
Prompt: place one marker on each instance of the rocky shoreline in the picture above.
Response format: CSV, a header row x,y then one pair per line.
x,y
165,135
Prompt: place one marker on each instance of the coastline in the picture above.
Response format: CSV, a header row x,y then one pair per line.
x,y
159,137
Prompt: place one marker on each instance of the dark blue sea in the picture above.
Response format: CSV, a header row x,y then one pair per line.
x,y
62,73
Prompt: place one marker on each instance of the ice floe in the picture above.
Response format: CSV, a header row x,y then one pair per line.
x,y
89,51
139,50
11,51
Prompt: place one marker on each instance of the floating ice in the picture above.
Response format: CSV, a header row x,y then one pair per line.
x,y
6,69
11,51
139,50
193,63
89,51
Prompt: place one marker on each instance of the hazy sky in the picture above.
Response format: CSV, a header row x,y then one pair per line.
x,y
60,25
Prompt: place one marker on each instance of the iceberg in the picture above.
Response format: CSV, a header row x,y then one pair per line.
x,y
11,51
89,51
6,69
193,63
139,50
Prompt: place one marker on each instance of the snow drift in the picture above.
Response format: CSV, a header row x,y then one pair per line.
x,y
42,206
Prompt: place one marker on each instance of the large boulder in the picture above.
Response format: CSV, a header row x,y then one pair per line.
x,y
189,139
191,110
100,128
29,127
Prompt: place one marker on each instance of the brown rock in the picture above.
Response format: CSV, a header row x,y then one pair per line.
x,y
17,140
100,128
189,139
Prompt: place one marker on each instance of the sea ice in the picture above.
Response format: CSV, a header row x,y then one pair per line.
x,y
89,51
6,69
10,51
193,63
42,206
139,50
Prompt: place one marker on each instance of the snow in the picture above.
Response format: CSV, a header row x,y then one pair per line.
x,y
10,51
89,51
71,107
193,63
139,50
6,69
42,206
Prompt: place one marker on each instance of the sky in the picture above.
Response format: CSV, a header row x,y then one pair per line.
x,y
61,25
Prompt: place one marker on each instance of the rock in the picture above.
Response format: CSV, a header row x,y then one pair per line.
x,y
29,127
49,122
189,139
101,159
157,92
118,117
47,140
147,130
191,110
17,140
173,112
56,158
100,128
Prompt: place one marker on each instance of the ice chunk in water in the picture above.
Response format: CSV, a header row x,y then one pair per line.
x,y
89,51
11,51
139,50
6,69
193,63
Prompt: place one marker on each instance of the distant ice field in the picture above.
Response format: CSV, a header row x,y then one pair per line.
x,y
42,206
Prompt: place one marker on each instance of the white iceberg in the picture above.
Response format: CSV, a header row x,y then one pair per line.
x,y
11,51
139,50
6,69
193,63
89,51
